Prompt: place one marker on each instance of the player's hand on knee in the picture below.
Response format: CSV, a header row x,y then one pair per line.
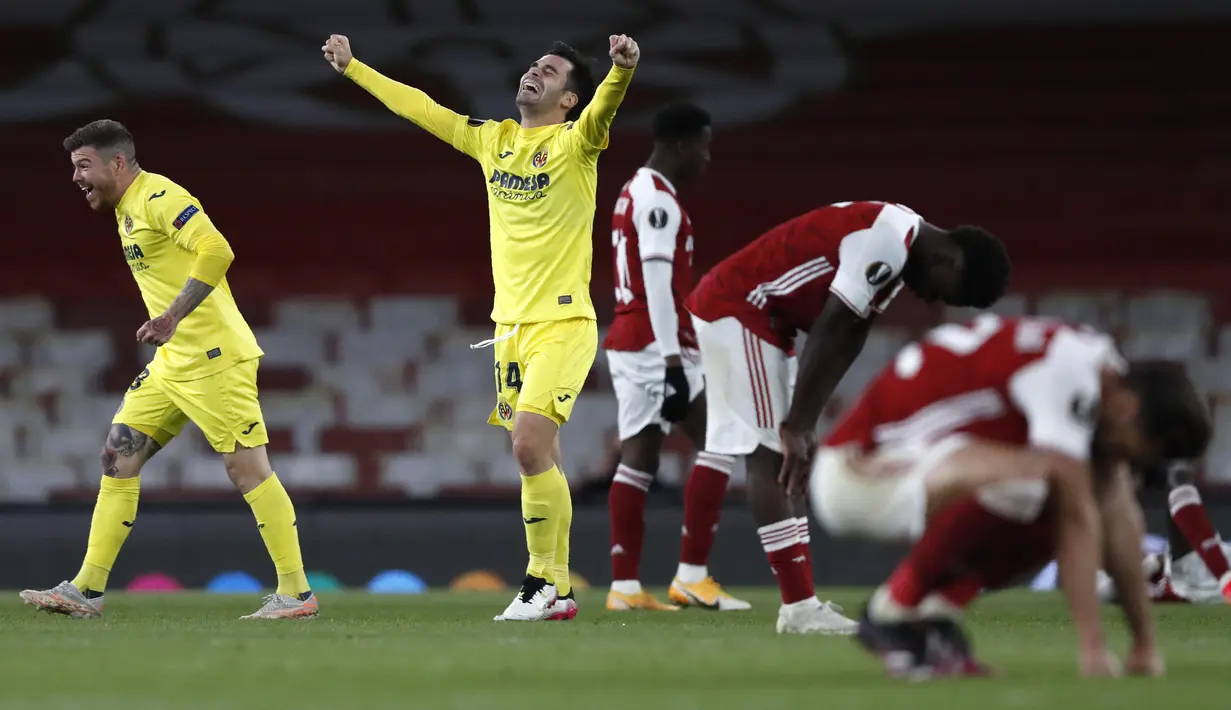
x,y
337,52
1099,663
797,451
624,51
676,394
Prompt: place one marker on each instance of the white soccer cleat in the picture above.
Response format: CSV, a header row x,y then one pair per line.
x,y
564,609
813,616
534,602
66,599
281,606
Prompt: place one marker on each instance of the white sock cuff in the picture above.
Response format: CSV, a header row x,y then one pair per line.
x,y
883,609
632,477
716,462
1183,496
935,606
691,574
805,534
779,535
626,586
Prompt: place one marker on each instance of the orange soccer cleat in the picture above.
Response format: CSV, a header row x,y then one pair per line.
x,y
642,601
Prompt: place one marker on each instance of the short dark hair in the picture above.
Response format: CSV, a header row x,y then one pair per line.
x,y
986,267
580,80
1172,412
680,121
103,134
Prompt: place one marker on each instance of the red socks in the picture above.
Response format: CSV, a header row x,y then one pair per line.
x,y
954,537
626,507
789,558
703,496
1192,520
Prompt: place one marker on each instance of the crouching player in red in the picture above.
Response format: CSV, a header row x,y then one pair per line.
x,y
828,272
996,445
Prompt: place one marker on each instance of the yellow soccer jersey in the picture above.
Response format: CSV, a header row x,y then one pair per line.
x,y
541,188
163,231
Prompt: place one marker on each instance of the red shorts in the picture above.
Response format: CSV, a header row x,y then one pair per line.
x,y
1007,550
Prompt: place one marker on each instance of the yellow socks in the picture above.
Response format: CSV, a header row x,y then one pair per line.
x,y
559,570
115,511
543,499
275,518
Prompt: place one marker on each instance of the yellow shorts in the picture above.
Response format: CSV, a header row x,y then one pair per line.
x,y
542,368
224,405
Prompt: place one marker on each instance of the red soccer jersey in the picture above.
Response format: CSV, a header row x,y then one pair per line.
x,y
1022,381
648,223
777,285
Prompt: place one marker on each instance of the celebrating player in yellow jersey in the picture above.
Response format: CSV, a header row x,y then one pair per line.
x,y
542,175
204,371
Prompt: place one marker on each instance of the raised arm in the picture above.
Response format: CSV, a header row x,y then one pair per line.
x,y
595,121
408,102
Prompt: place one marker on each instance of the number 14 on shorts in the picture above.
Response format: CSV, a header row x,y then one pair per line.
x,y
510,377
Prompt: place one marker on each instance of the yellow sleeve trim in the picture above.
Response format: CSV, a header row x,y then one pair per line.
x,y
214,257
595,120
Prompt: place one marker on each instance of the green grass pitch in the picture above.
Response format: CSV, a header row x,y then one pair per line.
x,y
442,651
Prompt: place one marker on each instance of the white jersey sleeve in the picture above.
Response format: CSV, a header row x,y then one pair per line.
x,y
1059,393
657,217
660,303
871,260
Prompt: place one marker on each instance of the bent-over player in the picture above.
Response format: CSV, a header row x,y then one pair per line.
x,y
828,272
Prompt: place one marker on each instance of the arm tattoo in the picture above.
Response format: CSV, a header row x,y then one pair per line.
x,y
194,294
124,441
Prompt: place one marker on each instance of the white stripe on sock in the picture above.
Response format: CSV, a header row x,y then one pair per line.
x,y
632,477
716,462
779,535
805,535
1183,496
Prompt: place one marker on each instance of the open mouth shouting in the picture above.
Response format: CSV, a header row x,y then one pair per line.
x,y
531,87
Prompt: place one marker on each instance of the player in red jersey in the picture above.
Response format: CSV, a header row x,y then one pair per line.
x,y
654,363
1000,442
747,312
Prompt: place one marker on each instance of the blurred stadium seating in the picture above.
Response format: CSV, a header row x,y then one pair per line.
x,y
383,397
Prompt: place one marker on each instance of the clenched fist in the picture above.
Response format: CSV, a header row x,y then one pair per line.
x,y
337,52
157,331
624,51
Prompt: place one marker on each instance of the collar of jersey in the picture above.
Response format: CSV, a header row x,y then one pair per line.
x,y
133,189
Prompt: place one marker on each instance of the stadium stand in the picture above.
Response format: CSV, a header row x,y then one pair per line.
x,y
399,408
